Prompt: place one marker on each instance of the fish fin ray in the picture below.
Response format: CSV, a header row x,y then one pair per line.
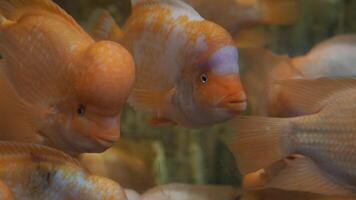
x,y
102,26
150,89
161,121
279,12
259,68
40,152
17,115
311,95
258,142
252,37
14,9
146,100
301,174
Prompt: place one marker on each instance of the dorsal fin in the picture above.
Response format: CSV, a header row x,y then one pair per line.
x,y
14,9
37,152
310,95
178,4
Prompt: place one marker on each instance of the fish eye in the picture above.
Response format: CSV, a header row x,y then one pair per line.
x,y
204,78
81,110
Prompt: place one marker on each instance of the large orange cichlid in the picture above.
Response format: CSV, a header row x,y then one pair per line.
x,y
186,67
59,87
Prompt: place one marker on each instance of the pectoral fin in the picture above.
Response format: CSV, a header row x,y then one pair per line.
x,y
161,121
302,174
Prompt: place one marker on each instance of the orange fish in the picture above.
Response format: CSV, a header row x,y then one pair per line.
x,y
59,87
36,172
186,67
331,58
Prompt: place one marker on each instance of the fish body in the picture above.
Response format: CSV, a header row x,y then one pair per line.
x,y
235,15
325,137
331,58
186,66
37,172
130,170
64,89
176,191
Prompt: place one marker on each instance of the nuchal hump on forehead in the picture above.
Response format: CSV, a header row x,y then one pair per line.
x,y
224,61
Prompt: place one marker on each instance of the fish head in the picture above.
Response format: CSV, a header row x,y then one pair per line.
x,y
102,85
216,87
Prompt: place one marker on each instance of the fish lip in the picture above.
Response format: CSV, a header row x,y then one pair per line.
x,y
107,141
237,108
235,102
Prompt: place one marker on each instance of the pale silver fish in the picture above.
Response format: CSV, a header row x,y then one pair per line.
x,y
326,137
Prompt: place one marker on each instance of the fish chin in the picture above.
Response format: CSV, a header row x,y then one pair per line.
x,y
76,143
218,115
81,143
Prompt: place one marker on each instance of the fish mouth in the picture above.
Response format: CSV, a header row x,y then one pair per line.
x,y
237,103
107,141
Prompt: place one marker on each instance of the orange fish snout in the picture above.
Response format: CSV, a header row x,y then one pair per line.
x,y
107,138
105,131
237,103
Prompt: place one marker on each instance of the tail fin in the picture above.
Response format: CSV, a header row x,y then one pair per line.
x,y
260,142
259,69
278,12
102,26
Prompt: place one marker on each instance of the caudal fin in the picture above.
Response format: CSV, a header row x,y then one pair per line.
x,y
258,142
278,12
300,173
102,26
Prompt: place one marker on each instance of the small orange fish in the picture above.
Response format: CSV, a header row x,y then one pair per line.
x,y
186,67
36,172
242,18
325,138
331,58
59,87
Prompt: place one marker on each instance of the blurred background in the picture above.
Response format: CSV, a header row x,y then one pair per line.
x,y
173,154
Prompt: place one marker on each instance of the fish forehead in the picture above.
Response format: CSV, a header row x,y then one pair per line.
x,y
224,60
163,39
